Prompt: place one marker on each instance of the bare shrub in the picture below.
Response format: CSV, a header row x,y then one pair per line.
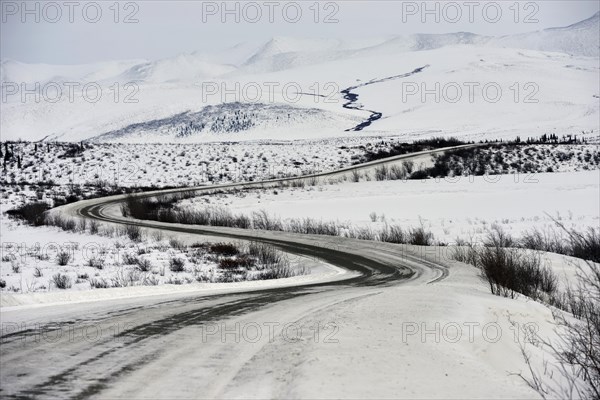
x,y
133,232
419,236
236,263
396,173
99,283
176,264
157,235
82,224
32,213
381,173
63,257
265,254
465,252
16,266
62,281
94,227
224,249
279,272
510,271
496,237
96,262
362,233
127,278
176,244
144,264
130,259
392,234
262,220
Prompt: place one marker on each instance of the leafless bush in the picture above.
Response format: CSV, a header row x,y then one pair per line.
x,y
381,173
577,349
392,234
280,271
236,263
465,252
396,173
265,254
16,266
419,236
496,237
509,271
176,264
130,259
94,227
66,224
144,264
82,224
99,283
362,233
96,262
133,232
157,235
408,167
263,221
63,257
176,244
62,281
224,249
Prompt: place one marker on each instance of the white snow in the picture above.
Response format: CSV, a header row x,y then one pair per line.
x,y
451,208
557,69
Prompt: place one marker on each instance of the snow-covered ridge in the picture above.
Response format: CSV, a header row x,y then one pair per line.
x,y
280,53
223,118
549,90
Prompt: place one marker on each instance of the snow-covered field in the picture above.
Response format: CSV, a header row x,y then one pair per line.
x,y
458,207
130,165
47,265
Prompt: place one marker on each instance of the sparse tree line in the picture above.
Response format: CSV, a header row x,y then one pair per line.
x,y
237,122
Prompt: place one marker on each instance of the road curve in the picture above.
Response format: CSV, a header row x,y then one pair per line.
x,y
139,337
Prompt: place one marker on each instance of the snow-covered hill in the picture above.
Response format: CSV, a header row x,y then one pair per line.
x,y
224,120
580,39
15,71
556,68
184,67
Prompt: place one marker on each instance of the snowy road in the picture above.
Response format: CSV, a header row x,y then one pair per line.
x,y
259,343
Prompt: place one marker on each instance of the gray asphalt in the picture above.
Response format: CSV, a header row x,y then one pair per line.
x,y
59,360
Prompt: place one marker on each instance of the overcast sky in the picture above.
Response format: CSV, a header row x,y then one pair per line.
x,y
80,32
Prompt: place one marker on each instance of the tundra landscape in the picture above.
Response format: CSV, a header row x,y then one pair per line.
x,y
351,199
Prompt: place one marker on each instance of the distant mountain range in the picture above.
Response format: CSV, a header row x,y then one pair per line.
x,y
282,53
549,81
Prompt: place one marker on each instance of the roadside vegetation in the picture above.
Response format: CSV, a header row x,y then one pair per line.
x,y
165,209
511,271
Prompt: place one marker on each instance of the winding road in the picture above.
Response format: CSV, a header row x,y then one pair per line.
x,y
191,345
